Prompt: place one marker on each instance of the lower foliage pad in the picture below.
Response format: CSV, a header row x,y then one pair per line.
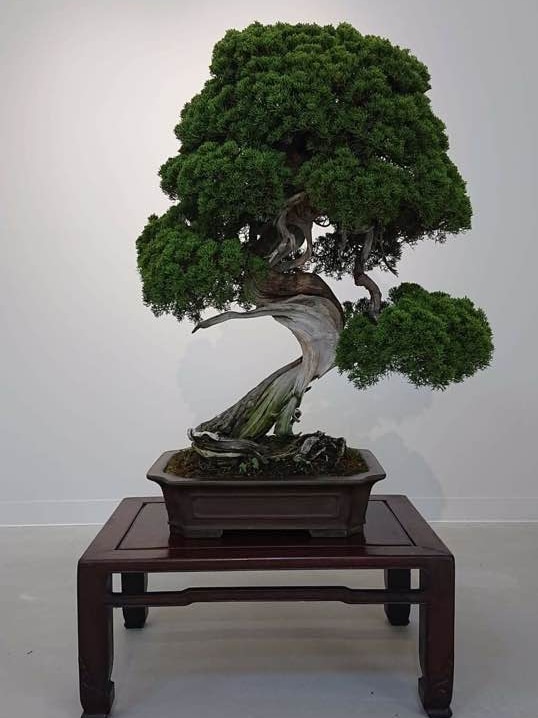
x,y
430,337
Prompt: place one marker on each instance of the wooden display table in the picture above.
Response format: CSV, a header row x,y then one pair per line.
x,y
135,541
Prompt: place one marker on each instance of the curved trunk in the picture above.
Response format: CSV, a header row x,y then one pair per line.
x,y
304,304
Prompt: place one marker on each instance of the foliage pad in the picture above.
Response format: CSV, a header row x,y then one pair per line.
x,y
430,337
325,110
184,272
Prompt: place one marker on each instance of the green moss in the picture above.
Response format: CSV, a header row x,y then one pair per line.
x,y
188,463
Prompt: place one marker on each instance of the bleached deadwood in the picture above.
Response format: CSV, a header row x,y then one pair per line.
x,y
303,303
315,319
287,244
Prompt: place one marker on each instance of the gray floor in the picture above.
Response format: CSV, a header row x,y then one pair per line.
x,y
269,660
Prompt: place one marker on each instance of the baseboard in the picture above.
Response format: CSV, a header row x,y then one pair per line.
x,y
71,512
478,508
56,512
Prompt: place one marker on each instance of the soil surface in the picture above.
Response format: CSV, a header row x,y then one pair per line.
x,y
189,464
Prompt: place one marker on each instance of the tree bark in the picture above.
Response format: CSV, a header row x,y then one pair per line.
x,y
302,302
364,280
305,304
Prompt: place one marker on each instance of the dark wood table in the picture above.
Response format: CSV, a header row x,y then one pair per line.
x,y
135,541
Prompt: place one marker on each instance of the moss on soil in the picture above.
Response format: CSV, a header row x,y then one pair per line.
x,y
188,463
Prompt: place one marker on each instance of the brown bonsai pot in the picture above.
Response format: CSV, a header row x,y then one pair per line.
x,y
323,505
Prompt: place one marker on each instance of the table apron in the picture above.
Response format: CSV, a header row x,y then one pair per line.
x,y
204,594
115,564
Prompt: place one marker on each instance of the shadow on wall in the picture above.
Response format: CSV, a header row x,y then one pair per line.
x,y
211,379
372,419
408,473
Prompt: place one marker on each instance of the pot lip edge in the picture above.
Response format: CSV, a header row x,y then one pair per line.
x,y
375,473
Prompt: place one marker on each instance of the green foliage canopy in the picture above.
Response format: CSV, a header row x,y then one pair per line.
x,y
184,272
289,108
430,337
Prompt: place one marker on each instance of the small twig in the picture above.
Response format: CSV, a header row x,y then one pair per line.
x,y
389,266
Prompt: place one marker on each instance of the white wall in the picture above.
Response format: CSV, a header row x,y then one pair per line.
x,y
95,387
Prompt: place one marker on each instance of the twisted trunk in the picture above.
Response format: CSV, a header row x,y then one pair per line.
x,y
304,304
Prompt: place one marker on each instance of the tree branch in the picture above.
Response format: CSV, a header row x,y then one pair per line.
x,y
367,246
364,280
287,242
306,228
299,214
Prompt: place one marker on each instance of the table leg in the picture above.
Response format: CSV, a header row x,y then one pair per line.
x,y
134,617
436,638
398,579
95,641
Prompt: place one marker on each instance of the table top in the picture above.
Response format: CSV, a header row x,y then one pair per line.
x,y
136,538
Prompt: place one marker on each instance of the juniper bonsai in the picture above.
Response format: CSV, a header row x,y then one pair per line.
x,y
302,127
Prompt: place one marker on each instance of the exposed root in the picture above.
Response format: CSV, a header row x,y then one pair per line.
x,y
310,455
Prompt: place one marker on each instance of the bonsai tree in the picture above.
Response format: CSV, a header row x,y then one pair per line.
x,y
311,151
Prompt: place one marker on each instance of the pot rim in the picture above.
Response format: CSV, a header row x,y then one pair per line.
x,y
158,474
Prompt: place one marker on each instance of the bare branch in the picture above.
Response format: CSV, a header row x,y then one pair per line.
x,y
306,228
287,242
367,246
299,214
364,280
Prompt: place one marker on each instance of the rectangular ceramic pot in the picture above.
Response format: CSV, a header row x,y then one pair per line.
x,y
323,505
